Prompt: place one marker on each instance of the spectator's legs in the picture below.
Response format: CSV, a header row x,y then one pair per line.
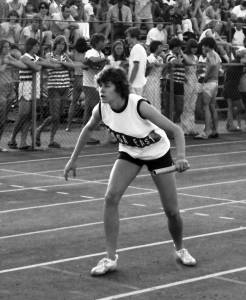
x,y
77,90
3,111
56,108
214,114
178,107
67,33
207,113
195,26
91,100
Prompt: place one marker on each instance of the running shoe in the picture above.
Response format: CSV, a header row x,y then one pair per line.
x,y
104,266
185,257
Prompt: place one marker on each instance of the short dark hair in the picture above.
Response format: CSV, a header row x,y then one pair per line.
x,y
175,43
134,32
192,43
2,43
154,45
65,6
30,43
13,13
43,3
96,38
159,20
118,77
209,42
81,45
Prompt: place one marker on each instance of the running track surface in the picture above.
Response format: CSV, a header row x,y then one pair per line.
x,y
52,230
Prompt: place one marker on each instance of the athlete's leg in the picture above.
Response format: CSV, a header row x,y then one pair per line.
x,y
121,176
207,114
166,186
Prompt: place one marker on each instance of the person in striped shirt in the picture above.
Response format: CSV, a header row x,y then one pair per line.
x,y
58,89
176,60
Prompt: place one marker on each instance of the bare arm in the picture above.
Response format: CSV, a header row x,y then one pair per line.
x,y
83,137
149,112
32,65
134,72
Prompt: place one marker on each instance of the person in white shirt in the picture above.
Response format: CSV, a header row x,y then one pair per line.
x,y
137,61
238,36
239,11
95,60
157,33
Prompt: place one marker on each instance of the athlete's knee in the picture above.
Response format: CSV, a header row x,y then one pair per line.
x,y
112,198
172,214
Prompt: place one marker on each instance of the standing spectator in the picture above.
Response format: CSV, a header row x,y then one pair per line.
x,y
55,7
7,95
17,6
190,89
238,34
137,61
65,25
95,60
157,33
23,122
175,60
11,29
210,89
101,25
120,18
3,10
31,31
196,16
118,57
239,11
45,23
28,14
232,95
78,58
152,89
143,13
58,90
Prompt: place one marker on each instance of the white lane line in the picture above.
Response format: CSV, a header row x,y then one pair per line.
x,y
67,203
202,215
100,222
173,284
61,271
102,199
87,197
136,204
62,193
227,218
17,186
205,197
39,189
114,153
231,280
110,165
64,260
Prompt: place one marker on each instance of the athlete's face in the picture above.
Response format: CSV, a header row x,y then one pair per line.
x,y
107,92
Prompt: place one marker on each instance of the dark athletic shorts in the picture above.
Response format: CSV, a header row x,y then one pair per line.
x,y
162,162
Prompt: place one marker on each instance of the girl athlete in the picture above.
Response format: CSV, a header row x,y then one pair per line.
x,y
142,141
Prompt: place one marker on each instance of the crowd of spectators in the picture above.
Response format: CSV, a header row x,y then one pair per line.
x,y
162,30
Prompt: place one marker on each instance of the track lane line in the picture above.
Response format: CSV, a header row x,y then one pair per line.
x,y
173,284
102,198
64,260
110,153
101,222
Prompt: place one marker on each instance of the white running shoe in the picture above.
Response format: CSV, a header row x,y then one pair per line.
x,y
185,257
104,266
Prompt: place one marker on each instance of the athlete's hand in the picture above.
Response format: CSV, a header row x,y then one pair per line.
x,y
70,166
182,165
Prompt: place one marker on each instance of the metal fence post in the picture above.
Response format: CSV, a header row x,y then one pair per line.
x,y
34,109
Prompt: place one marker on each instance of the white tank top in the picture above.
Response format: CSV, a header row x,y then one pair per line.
x,y
138,137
